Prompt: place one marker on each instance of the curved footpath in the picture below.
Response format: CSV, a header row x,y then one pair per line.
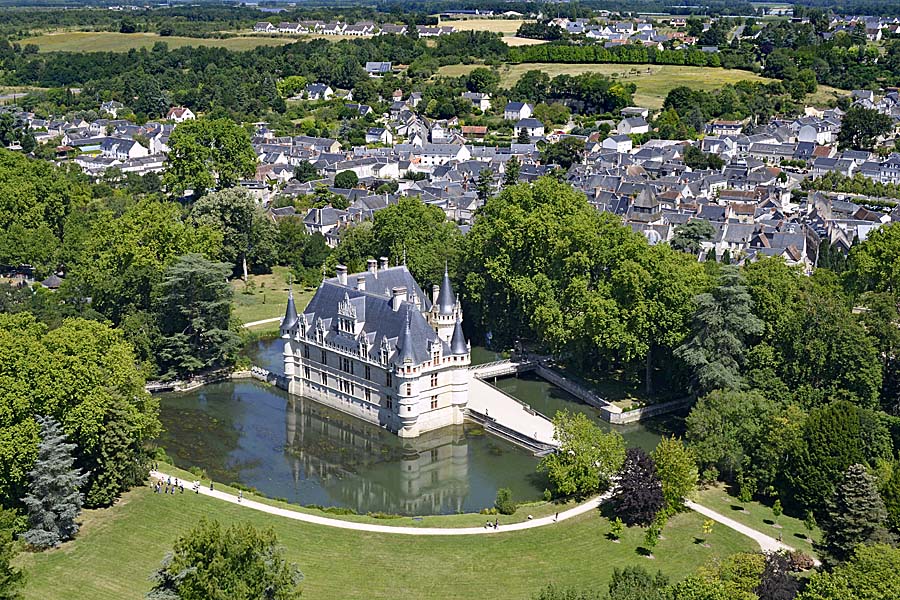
x,y
766,543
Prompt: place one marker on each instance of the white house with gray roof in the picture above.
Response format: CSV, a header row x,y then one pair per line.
x,y
375,346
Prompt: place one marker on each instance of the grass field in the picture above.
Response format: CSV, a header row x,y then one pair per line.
x,y
653,81
265,296
118,548
504,26
760,517
108,41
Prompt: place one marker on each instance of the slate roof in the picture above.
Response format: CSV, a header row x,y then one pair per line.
x,y
405,331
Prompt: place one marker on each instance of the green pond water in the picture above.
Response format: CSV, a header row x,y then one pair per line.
x,y
306,453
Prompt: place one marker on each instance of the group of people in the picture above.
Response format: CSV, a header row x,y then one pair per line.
x,y
168,486
495,524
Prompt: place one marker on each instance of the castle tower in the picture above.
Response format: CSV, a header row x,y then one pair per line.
x,y
406,373
462,357
290,327
445,309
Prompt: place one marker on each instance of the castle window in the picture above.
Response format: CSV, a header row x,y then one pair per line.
x,y
434,379
305,350
434,455
390,403
368,372
324,358
409,389
324,378
390,380
433,402
368,395
306,372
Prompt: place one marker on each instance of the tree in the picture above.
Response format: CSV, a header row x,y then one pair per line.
x,y
638,496
419,233
54,498
860,127
249,237
86,377
237,563
777,581
636,583
722,327
305,171
485,185
523,137
194,307
833,438
873,263
890,494
689,236
616,527
346,180
677,471
11,579
855,515
482,79
565,153
511,175
726,428
587,457
117,260
872,572
881,321
206,154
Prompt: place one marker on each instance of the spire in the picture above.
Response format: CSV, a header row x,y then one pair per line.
x,y
446,301
458,341
290,314
405,344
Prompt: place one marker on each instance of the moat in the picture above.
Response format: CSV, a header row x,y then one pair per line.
x,y
306,453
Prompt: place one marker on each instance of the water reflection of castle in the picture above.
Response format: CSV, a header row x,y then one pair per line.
x,y
368,468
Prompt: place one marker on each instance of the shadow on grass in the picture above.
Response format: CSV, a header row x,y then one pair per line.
x,y
768,521
699,541
801,536
641,551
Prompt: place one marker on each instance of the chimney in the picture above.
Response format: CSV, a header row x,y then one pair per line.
x,y
435,291
384,262
361,283
398,296
372,266
341,271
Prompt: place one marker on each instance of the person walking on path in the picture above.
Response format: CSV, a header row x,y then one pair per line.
x,y
240,495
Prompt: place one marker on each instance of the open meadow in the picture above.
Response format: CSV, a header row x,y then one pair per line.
x,y
653,81
108,41
119,548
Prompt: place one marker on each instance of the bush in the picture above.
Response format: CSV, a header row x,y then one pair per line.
x,y
346,180
548,495
198,472
504,503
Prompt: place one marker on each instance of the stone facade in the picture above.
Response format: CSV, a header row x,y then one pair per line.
x,y
379,349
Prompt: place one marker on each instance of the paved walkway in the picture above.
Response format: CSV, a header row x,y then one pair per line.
x,y
505,410
766,542
588,506
263,322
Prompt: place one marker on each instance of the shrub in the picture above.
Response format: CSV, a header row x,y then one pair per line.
x,y
504,502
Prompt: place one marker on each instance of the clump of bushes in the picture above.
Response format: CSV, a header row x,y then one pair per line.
x,y
504,503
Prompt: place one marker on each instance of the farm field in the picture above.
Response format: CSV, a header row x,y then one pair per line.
x,y
653,81
339,563
504,26
108,41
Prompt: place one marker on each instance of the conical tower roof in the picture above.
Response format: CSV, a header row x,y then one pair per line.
x,y
458,341
446,299
290,314
405,344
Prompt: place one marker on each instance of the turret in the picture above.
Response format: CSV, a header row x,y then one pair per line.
x,y
458,345
445,309
288,327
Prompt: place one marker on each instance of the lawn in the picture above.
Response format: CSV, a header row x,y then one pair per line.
x,y
653,81
759,516
265,296
108,41
119,548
